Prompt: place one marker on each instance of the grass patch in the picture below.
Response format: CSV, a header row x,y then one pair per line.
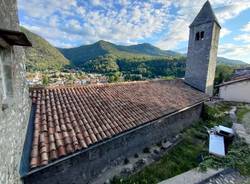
x,y
241,111
224,106
238,157
188,153
181,158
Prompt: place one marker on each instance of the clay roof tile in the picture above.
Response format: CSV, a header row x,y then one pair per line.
x,y
71,118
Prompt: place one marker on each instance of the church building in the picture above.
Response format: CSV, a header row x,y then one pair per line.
x,y
73,133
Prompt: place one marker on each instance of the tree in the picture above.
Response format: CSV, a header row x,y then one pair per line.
x,y
114,77
45,80
223,73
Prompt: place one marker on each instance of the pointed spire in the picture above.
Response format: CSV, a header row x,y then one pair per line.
x,y
205,15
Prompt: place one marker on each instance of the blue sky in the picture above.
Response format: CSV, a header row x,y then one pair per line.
x,y
163,23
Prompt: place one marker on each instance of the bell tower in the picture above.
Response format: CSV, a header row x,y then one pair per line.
x,y
202,50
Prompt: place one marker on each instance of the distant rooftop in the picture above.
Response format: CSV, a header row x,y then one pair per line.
x,y
69,119
236,79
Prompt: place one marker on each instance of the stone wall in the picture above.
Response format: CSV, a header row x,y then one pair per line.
x,y
14,117
87,164
202,56
236,92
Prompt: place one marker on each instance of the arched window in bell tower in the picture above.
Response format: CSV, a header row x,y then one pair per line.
x,y
197,36
202,35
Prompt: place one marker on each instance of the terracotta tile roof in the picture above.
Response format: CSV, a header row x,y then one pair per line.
x,y
69,119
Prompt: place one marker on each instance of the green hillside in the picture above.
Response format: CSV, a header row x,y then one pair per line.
x,y
42,55
230,62
79,55
142,59
104,57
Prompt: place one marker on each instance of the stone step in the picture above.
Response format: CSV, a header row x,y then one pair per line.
x,y
191,177
228,176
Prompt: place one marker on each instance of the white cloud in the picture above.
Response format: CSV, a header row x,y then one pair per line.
x,y
81,10
231,9
238,52
74,24
53,21
68,23
246,28
224,32
173,37
188,9
46,8
245,38
128,24
55,36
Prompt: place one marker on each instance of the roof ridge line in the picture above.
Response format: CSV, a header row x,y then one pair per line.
x,y
94,85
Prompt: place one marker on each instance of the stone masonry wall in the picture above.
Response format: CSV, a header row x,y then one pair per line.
x,y
201,58
87,164
14,119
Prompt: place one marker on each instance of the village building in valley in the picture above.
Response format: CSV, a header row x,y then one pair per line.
x,y
73,133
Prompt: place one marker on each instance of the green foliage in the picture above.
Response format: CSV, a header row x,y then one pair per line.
x,y
133,77
180,159
169,77
105,57
223,73
241,111
209,113
142,59
102,64
42,55
230,62
114,77
186,155
153,67
238,157
71,77
45,80
80,55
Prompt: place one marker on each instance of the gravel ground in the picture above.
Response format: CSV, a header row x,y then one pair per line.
x,y
246,121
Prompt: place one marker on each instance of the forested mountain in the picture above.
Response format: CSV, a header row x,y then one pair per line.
x,y
142,60
82,54
79,55
42,55
230,62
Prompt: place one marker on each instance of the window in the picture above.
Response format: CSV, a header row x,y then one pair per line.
x,y
202,35
199,35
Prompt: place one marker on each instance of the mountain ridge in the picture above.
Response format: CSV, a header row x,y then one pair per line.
x,y
84,53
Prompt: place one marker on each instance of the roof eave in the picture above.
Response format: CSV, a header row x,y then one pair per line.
x,y
232,82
